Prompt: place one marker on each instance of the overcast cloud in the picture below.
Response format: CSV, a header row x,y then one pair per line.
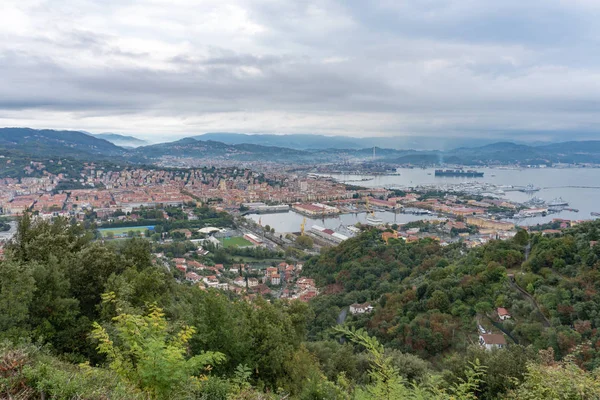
x,y
526,70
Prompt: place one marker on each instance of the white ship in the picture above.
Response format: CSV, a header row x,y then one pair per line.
x,y
535,201
373,220
558,202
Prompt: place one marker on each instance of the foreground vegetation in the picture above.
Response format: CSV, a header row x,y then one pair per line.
x,y
85,319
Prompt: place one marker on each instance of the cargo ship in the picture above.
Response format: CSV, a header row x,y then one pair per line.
x,y
459,172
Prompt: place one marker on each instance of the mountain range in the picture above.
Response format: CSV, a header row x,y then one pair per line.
x,y
321,142
85,146
48,142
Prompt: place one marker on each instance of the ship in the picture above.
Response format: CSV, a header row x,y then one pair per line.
x,y
459,172
558,202
373,220
595,214
535,201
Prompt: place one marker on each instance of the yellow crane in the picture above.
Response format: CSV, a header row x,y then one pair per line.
x,y
369,211
302,226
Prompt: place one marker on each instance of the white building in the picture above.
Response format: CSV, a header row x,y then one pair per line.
x,y
239,281
275,279
364,308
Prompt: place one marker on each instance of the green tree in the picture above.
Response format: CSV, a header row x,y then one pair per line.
x,y
387,383
439,300
144,352
521,238
305,242
16,294
557,381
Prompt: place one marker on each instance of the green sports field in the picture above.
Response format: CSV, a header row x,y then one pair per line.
x,y
123,231
237,241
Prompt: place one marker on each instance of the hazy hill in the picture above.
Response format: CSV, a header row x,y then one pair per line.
x,y
567,152
321,142
507,153
61,143
190,147
586,147
296,141
122,140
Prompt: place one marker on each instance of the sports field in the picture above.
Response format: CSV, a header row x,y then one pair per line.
x,y
237,241
123,232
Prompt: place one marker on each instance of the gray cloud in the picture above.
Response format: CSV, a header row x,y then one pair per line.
x,y
435,67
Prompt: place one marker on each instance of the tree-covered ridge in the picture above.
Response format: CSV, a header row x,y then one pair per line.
x,y
83,319
429,299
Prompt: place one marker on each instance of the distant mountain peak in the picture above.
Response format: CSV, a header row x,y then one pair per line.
x,y
121,140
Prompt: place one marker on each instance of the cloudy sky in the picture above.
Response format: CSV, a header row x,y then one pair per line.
x,y
526,69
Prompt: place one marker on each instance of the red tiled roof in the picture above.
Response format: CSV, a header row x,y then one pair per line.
x,y
493,338
502,311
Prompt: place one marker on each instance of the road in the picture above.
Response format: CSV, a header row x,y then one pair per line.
x,y
342,316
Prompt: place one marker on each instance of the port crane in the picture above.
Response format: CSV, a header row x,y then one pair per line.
x,y
371,217
369,211
302,227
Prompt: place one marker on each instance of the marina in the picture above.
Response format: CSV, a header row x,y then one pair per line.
x,y
537,188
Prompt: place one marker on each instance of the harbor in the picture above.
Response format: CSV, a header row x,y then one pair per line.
x,y
523,186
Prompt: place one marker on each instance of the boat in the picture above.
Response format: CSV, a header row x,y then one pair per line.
x,y
595,214
353,229
535,201
416,211
558,202
459,172
372,220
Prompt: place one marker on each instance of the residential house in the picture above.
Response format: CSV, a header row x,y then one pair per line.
x,y
305,283
492,341
193,277
364,308
307,295
239,281
275,279
503,314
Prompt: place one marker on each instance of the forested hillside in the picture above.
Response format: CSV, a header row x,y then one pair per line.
x,y
428,299
80,318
